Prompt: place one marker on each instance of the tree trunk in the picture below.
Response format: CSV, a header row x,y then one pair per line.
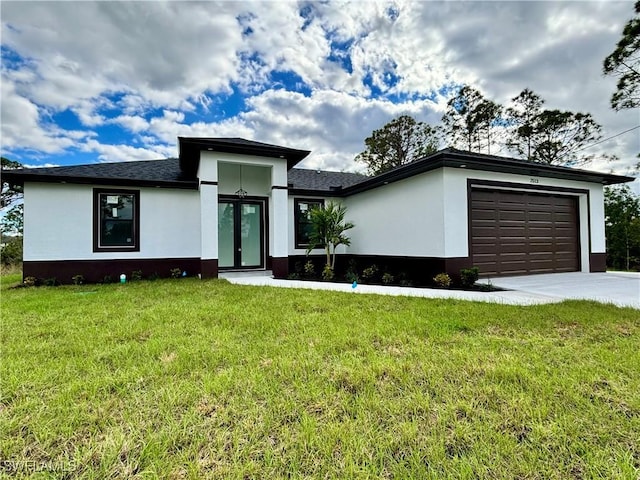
x,y
627,253
328,250
333,259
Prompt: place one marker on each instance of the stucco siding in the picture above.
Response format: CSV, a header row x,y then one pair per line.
x,y
59,223
404,218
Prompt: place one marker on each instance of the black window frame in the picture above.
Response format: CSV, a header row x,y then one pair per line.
x,y
98,193
297,217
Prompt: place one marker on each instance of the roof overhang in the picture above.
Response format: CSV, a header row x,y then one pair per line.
x,y
190,148
471,161
20,176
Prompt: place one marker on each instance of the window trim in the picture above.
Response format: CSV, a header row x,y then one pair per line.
x,y
97,224
296,217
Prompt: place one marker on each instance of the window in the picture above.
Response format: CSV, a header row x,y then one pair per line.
x,y
116,220
302,219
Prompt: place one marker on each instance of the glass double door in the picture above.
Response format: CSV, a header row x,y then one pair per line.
x,y
240,233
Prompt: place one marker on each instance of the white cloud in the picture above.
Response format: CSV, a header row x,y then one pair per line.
x,y
44,165
120,63
124,153
22,125
133,123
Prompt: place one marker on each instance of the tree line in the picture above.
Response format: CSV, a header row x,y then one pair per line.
x,y
474,123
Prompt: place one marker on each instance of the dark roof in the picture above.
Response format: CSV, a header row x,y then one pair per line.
x,y
167,173
191,146
152,173
301,180
451,157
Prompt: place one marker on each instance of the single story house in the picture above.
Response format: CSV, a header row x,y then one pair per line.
x,y
230,203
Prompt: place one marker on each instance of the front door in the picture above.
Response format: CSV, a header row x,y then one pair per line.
x,y
240,234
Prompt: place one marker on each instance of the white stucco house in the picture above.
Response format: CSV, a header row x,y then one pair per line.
x,y
230,203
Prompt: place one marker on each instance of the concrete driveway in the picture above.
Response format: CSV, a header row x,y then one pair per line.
x,y
618,288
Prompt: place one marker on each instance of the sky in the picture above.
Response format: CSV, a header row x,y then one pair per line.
x,y
86,82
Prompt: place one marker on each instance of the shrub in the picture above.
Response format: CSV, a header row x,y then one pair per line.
x,y
175,273
30,281
404,280
50,282
107,279
293,276
154,276
77,279
370,272
469,276
352,272
309,269
327,273
352,277
387,278
442,280
136,275
11,253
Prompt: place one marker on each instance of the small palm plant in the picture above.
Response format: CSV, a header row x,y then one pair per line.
x,y
327,230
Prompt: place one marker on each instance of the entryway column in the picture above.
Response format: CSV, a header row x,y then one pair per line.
x,y
280,221
209,229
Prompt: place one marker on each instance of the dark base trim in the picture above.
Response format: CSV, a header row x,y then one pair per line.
x,y
280,267
95,271
209,268
597,262
419,270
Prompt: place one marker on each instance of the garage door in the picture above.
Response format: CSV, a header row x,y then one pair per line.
x,y
517,233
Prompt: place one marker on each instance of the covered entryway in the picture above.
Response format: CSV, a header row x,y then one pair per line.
x,y
241,242
517,233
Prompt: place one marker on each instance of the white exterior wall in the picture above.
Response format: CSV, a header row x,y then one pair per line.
x,y
598,241
59,223
403,218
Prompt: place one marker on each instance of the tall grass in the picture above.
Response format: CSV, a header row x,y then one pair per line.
x,y
203,379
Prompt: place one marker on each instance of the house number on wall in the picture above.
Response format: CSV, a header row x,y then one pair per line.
x,y
534,180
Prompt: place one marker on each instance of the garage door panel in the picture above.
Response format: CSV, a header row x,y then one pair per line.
x,y
513,232
540,217
566,217
516,248
512,216
520,232
540,247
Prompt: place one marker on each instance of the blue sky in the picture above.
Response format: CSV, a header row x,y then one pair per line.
x,y
87,82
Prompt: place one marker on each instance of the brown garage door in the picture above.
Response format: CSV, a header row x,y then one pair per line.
x,y
517,233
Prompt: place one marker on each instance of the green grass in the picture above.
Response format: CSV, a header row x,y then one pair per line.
x,y
203,379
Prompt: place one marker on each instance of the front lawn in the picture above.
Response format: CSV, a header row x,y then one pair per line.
x,y
203,379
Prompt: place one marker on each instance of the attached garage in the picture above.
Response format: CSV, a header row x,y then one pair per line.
x,y
520,233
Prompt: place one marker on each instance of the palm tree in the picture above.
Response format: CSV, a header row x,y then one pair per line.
x,y
327,230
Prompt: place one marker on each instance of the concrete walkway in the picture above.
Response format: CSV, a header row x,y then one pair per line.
x,y
622,289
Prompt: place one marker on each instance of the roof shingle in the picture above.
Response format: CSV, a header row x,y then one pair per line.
x,y
320,180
